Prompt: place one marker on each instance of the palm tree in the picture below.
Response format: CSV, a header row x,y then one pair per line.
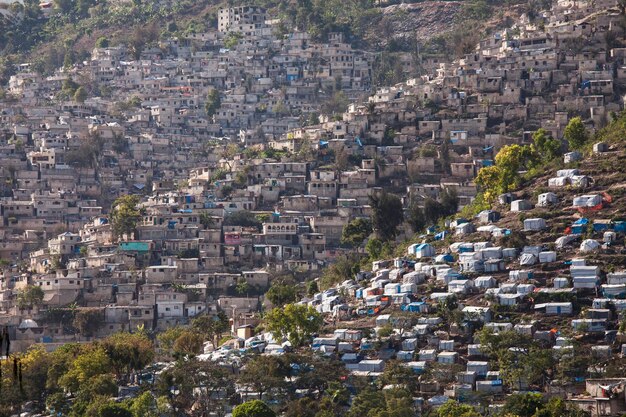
x,y
206,220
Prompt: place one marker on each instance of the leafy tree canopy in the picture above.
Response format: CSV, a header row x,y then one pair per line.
x,y
295,322
254,408
576,134
387,215
355,232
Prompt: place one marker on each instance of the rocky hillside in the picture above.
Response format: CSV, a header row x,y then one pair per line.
x,y
449,27
421,20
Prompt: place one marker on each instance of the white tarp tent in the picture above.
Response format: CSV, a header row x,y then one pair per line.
x,y
558,182
534,224
547,199
589,245
521,205
563,241
588,200
567,172
527,259
547,256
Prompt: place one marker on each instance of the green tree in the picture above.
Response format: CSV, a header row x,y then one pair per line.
x,y
145,405
58,404
511,159
102,42
389,137
520,359
504,175
368,402
203,385
344,267
125,215
242,287
312,288
374,248
449,200
433,210
88,322
232,39
80,95
206,220
59,363
356,231
337,104
282,291
416,218
213,102
143,35
447,205
295,322
558,407
108,409
34,364
65,6
575,133
84,368
30,296
453,409
69,87
82,7
545,145
167,339
254,408
523,405
397,374
265,374
242,218
102,385
390,403
189,343
316,374
135,101
302,407
212,327
128,351
387,215
488,181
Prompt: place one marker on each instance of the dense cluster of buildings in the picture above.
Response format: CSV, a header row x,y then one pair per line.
x,y
268,182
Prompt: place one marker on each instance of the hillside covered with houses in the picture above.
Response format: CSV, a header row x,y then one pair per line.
x,y
245,201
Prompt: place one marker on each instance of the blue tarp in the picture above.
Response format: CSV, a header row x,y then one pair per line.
x,y
599,227
412,307
579,226
448,258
